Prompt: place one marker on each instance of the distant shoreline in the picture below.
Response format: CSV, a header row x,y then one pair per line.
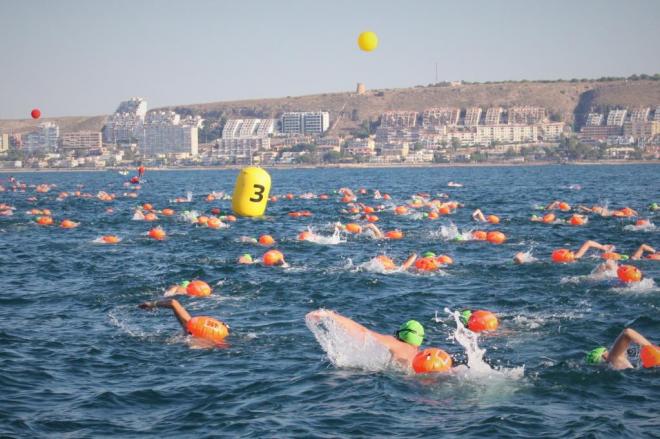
x,y
347,166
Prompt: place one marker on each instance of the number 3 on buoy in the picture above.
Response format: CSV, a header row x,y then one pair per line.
x,y
251,192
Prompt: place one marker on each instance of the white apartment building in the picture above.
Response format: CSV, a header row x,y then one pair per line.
x,y
616,118
360,147
308,122
398,119
124,125
494,116
241,150
248,128
639,114
45,138
526,115
594,119
472,117
441,116
551,131
656,116
4,143
81,140
506,134
165,133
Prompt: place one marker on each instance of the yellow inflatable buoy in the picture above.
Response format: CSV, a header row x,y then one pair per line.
x,y
251,192
368,41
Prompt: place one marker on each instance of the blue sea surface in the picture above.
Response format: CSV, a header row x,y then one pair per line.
x,y
79,359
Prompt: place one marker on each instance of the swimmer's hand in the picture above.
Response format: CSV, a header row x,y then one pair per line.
x,y
148,305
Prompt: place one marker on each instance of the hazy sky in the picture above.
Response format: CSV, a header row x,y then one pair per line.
x,y
81,57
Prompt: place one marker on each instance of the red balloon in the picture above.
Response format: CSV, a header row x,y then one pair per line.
x,y
36,113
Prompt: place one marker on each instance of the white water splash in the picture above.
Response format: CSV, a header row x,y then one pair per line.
x,y
347,350
451,233
476,366
333,239
644,286
648,227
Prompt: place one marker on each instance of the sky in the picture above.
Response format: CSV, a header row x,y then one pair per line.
x,y
82,57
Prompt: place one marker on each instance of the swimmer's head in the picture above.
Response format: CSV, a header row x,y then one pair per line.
x,y
654,206
185,283
596,356
428,254
411,332
465,316
245,259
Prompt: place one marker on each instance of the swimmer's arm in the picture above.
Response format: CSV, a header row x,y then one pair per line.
x,y
179,311
553,205
622,342
408,263
592,244
374,228
640,251
478,215
349,325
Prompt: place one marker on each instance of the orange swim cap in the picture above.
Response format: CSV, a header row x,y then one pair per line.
x,y
426,264
577,220
493,219
444,260
198,288
110,239
432,360
353,228
401,210
479,235
157,233
266,240
394,234
168,212
68,224
207,328
150,217
549,217
304,235
213,223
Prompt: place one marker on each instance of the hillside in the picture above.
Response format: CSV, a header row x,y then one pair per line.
x,y
566,100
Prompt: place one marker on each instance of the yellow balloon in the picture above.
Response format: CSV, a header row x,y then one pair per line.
x,y
368,41
251,192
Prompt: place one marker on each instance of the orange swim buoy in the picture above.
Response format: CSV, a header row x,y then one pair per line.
x,y
563,256
230,218
304,235
401,210
368,209
198,288
496,237
394,234
353,228
479,235
433,215
372,218
564,207
444,210
202,220
577,220
629,274
426,264
273,257
650,356
549,218
266,240
493,219
432,360
44,220
207,328
150,217
110,239
386,262
210,197
482,321
168,212
68,224
157,233
147,206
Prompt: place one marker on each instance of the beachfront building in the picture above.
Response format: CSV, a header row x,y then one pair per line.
x,y
486,135
392,152
551,131
360,147
81,141
440,117
640,114
472,117
656,116
526,115
166,133
4,143
641,129
493,116
306,123
45,138
398,119
328,144
241,150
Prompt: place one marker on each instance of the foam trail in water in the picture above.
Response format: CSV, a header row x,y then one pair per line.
x,y
646,227
451,233
344,349
334,239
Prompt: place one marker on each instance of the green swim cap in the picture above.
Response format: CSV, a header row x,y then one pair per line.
x,y
465,316
459,238
428,254
185,283
624,257
596,356
411,332
247,256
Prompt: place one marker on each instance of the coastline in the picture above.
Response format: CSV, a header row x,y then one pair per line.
x,y
347,166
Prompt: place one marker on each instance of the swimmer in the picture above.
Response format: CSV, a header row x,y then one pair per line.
x,y
389,265
645,248
523,257
212,329
246,259
403,346
177,289
478,215
584,248
654,207
617,356
248,240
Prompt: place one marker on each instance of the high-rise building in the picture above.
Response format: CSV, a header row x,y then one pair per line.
x,y
656,116
640,114
594,120
442,116
398,119
45,138
248,128
165,133
125,124
472,116
4,142
309,122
